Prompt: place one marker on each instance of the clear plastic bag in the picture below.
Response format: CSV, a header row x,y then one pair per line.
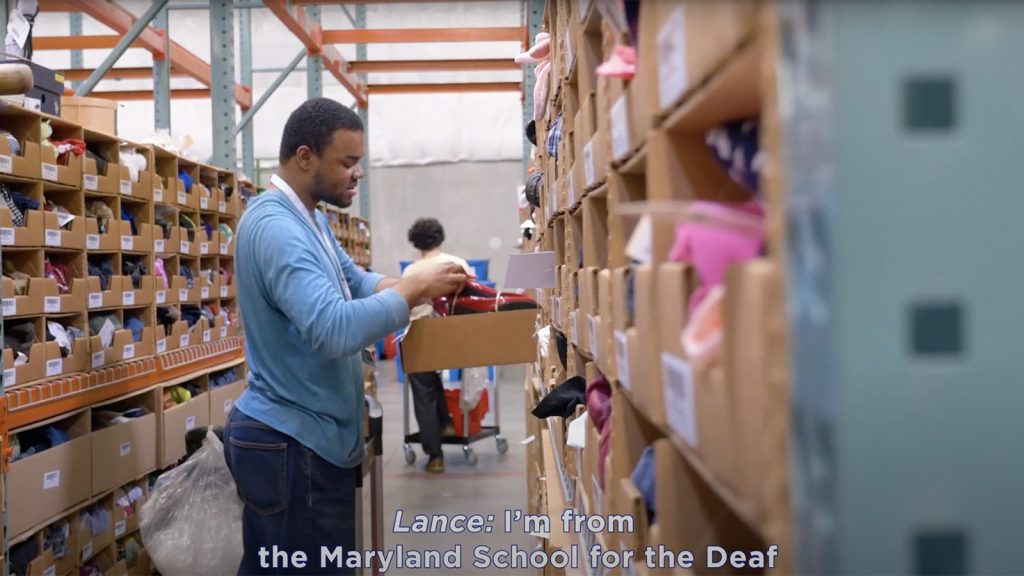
x,y
192,522
474,382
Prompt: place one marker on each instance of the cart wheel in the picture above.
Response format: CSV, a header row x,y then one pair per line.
x,y
410,455
470,455
502,444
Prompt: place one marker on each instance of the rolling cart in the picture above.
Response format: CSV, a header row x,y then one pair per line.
x,y
465,440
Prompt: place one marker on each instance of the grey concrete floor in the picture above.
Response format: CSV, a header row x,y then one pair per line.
x,y
497,483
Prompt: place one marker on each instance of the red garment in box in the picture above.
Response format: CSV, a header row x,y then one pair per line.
x,y
476,415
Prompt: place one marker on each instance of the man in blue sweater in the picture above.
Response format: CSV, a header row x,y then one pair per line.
x,y
294,441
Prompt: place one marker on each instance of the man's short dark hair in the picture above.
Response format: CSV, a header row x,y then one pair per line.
x,y
426,234
313,124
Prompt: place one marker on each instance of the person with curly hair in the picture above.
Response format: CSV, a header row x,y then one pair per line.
x,y
427,236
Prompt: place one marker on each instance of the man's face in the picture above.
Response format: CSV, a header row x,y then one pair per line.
x,y
338,171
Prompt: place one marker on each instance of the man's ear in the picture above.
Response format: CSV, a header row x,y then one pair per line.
x,y
305,159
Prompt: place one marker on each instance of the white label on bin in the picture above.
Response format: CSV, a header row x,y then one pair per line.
x,y
10,376
223,291
182,198
49,171
183,294
207,336
158,195
190,423
584,6
92,241
568,51
205,292
126,449
120,527
86,551
677,380
51,570
95,300
227,405
51,480
159,245
672,72
54,367
592,336
224,248
51,305
204,203
126,187
7,236
572,191
588,164
128,298
161,346
622,358
573,336
222,206
620,128
52,238
204,248
97,359
90,181
6,164
161,296
127,243
223,332
183,341
129,351
186,246
10,306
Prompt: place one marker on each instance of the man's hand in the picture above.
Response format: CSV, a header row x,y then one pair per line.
x,y
437,280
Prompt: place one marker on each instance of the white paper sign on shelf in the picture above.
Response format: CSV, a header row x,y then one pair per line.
x,y
95,300
672,70
681,411
204,292
52,238
50,171
186,246
158,195
51,305
573,336
223,332
620,128
92,242
227,405
126,188
90,181
6,164
190,423
10,306
128,298
51,570
126,449
159,245
129,351
97,359
589,172
222,206
127,243
10,376
161,296
207,336
120,527
51,480
183,294
223,291
182,198
204,248
224,248
592,336
571,190
641,243
161,346
622,358
87,551
7,236
204,203
183,341
54,367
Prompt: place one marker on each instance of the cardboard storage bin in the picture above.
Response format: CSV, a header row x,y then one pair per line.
x,y
49,482
178,419
128,501
488,339
98,114
222,398
93,539
49,562
124,452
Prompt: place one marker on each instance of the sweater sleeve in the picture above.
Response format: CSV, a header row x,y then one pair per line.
x,y
298,285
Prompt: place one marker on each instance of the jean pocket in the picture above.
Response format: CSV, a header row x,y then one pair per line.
x,y
260,469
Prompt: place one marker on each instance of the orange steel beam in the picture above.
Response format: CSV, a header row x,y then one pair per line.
x,y
126,95
104,42
311,34
410,35
119,19
80,74
464,87
433,65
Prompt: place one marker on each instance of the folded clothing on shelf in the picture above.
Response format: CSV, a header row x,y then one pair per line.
x,y
95,518
643,478
563,399
135,162
223,378
19,278
101,212
736,147
166,316
126,216
59,273
599,408
136,326
134,270
185,179
21,555
64,336
102,268
107,418
19,337
104,326
99,156
37,440
56,537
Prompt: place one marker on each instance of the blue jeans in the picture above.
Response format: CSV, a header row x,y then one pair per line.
x,y
294,499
